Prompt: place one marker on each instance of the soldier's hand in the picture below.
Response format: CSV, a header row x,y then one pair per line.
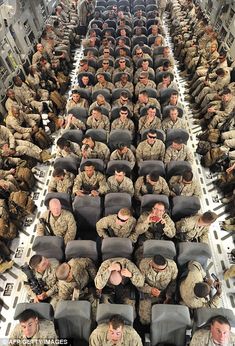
x,y
79,193
94,193
230,169
125,272
36,300
218,287
12,171
211,110
155,292
209,281
42,296
114,266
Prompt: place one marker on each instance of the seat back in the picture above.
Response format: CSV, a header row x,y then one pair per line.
x,y
44,310
166,111
81,248
73,135
160,134
169,324
49,246
177,168
176,133
165,248
119,136
202,315
116,247
73,319
114,201
148,201
105,311
165,94
199,252
145,167
98,134
117,92
98,164
118,164
70,164
104,92
79,112
64,198
183,206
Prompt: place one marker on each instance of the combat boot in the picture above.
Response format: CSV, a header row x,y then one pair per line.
x,y
4,266
229,228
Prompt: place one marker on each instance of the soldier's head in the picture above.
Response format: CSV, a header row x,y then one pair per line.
x,y
152,177
39,263
145,64
39,47
88,140
11,94
119,174
124,77
85,79
201,289
115,278
55,207
220,330
154,30
159,209
158,263
158,41
144,77
58,174
89,169
122,148
208,218
220,72
139,52
124,97
143,97
122,52
123,216
166,79
115,328
166,51
177,144
151,112
64,144
29,323
122,63
100,100
123,32
174,98
123,114
222,57
105,64
64,272
226,95
17,81
214,47
174,114
187,177
76,96
100,78
96,113
151,137
15,111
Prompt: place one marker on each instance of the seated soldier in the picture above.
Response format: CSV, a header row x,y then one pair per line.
x,y
155,224
44,270
32,328
57,221
92,149
123,153
120,183
74,277
184,185
144,101
150,120
102,83
115,278
61,181
122,67
123,83
195,227
70,122
144,82
123,122
90,182
151,148
151,183
97,120
160,284
120,225
76,101
100,102
106,68
173,121
113,333
123,101
178,151
144,67
195,289
218,333
68,149
165,84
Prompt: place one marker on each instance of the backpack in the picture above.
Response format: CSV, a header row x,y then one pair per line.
x,y
42,140
213,156
203,147
20,204
25,178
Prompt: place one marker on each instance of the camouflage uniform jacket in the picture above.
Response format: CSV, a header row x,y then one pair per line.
x,y
107,85
127,85
146,151
46,330
99,337
125,186
143,226
127,124
145,123
62,226
139,106
82,103
196,274
117,104
160,187
95,104
141,86
102,277
74,153
64,185
128,156
6,137
189,226
160,280
124,230
15,124
102,123
83,271
97,182
192,189
169,124
184,154
203,337
100,151
24,94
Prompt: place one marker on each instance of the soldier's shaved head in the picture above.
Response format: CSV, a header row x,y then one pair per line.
x,y
115,278
55,207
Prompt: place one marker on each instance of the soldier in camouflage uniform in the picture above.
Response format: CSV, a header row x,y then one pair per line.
x,y
114,333
119,183
160,283
97,120
68,149
195,288
113,280
45,271
123,122
144,82
33,331
76,101
184,185
150,120
173,121
121,225
61,181
123,101
219,333
152,183
124,83
61,221
144,101
92,149
100,102
178,151
102,83
151,148
123,153
195,227
90,182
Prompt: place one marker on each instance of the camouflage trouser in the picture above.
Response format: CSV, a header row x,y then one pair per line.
x,y
25,147
145,307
